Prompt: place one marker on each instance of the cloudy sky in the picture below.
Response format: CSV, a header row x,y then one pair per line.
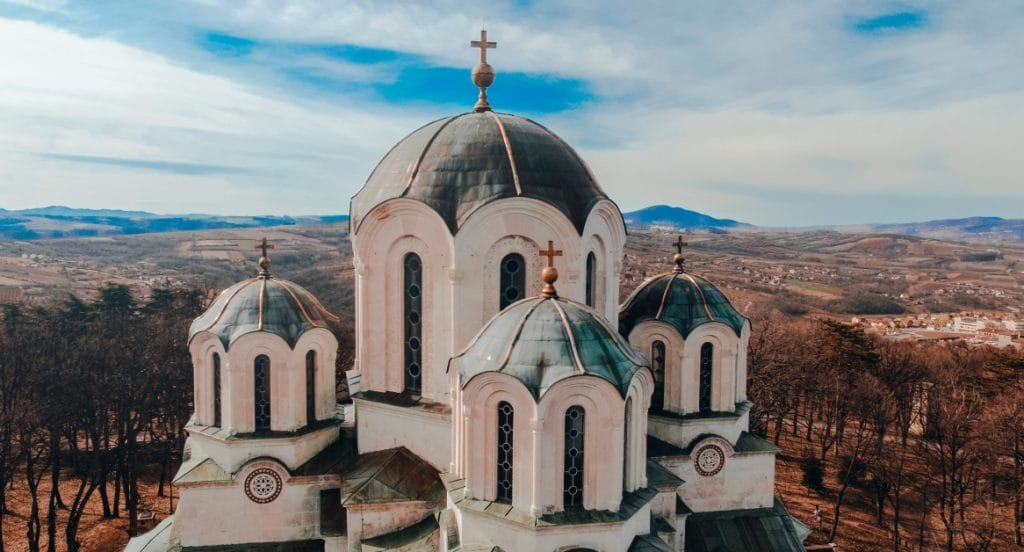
x,y
774,113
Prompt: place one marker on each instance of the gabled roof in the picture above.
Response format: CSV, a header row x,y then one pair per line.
x,y
393,475
765,530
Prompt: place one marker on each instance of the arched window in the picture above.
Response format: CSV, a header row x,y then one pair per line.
x,y
261,384
707,354
506,426
572,482
310,387
216,389
591,295
626,452
413,289
513,280
658,370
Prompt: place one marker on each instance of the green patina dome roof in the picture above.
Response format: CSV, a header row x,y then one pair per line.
x,y
458,164
680,299
541,341
262,304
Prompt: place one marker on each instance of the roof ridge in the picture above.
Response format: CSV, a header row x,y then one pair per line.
x,y
572,337
426,147
515,338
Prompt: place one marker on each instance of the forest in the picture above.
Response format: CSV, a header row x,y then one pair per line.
x,y
926,440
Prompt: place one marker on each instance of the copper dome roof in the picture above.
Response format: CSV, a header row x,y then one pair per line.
x,y
262,304
681,300
541,341
459,164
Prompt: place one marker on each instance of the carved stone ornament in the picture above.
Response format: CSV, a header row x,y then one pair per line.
x,y
263,485
709,460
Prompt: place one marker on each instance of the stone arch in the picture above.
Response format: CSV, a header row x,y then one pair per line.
x,y
479,399
603,405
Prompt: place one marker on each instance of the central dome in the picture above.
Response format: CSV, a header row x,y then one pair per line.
x,y
459,164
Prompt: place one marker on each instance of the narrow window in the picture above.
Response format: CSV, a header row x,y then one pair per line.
x,y
413,323
626,452
658,370
572,484
506,425
261,384
513,280
216,389
310,387
591,279
707,351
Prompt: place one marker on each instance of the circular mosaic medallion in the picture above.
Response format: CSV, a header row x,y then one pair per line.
x,y
262,485
709,460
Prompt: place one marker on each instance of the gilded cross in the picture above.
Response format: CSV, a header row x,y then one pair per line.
x,y
551,253
483,45
264,246
679,245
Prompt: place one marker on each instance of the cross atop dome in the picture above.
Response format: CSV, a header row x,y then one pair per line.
x,y
483,73
264,261
679,244
550,273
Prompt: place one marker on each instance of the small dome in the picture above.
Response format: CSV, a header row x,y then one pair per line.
x,y
262,304
541,341
680,299
459,164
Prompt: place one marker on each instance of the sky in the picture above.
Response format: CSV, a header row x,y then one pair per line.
x,y
773,113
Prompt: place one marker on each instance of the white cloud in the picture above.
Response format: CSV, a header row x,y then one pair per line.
x,y
61,93
767,112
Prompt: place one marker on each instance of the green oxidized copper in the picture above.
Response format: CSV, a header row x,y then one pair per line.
x,y
459,164
689,301
264,303
541,341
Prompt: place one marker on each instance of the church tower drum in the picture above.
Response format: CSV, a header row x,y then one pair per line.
x,y
445,233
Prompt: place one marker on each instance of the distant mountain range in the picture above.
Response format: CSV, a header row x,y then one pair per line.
x,y
676,218
64,222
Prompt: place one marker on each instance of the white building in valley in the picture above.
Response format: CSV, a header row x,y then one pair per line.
x,y
507,401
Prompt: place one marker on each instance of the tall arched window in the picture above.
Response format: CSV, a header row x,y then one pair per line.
x,y
707,355
216,389
626,452
591,295
572,482
261,384
658,370
413,291
310,387
513,280
506,426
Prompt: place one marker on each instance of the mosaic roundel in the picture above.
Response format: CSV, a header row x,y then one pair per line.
x,y
709,460
262,485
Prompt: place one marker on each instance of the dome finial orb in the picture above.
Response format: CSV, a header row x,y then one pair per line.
x,y
550,273
679,259
264,262
483,73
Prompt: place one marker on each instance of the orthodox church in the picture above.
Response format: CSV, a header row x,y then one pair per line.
x,y
502,398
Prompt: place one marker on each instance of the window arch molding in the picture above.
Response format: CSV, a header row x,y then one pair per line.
x,y
479,400
604,408
495,254
675,384
394,330
724,370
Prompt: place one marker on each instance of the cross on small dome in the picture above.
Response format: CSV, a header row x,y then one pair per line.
x,y
550,273
264,262
679,244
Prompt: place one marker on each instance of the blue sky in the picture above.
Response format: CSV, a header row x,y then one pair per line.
x,y
773,113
